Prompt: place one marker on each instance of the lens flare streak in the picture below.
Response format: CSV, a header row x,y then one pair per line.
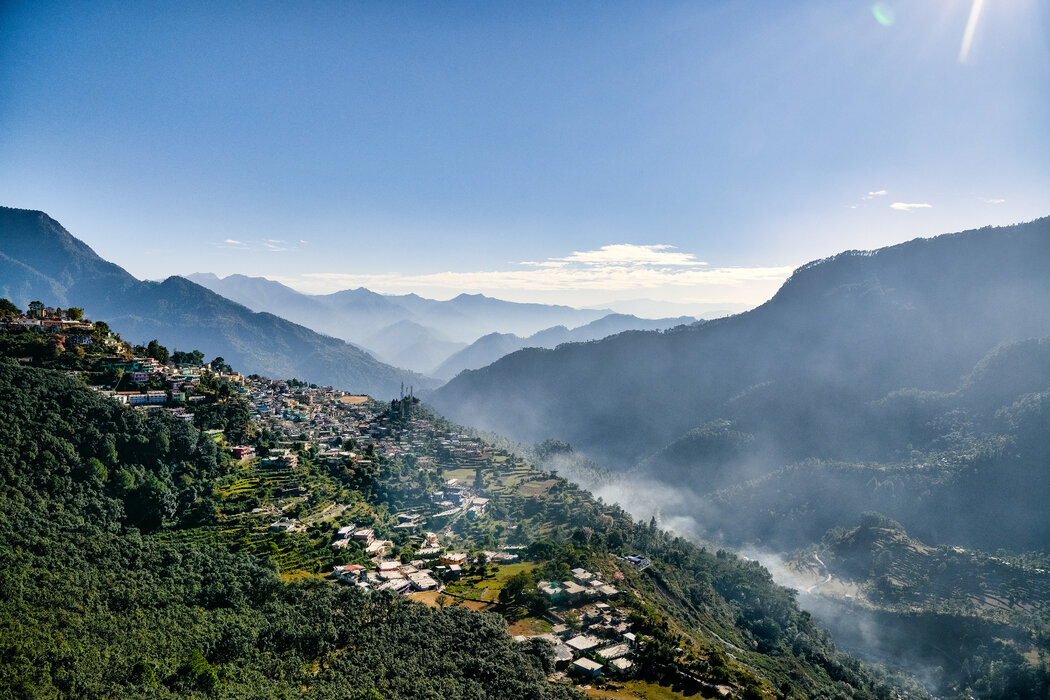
x,y
971,28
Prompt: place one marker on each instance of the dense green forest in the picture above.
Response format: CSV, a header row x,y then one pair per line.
x,y
93,605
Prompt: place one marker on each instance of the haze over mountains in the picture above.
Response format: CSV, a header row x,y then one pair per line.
x,y
362,313
40,260
864,366
909,385
423,334
489,348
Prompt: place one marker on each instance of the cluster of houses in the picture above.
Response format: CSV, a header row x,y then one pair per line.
x,y
179,382
468,451
322,416
599,638
590,635
340,427
390,576
426,573
583,586
61,331
366,537
66,329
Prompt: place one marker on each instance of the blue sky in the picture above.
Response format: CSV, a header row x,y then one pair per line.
x,y
689,152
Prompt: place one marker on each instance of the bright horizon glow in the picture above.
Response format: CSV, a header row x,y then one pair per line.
x,y
687,153
614,272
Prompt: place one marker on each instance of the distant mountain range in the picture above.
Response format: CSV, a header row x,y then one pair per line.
x,y
358,314
269,328
489,348
39,259
427,335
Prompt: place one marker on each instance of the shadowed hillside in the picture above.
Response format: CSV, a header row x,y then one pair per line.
x,y
41,260
841,331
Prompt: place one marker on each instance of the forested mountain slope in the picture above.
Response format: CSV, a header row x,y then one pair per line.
x,y
92,607
931,408
840,332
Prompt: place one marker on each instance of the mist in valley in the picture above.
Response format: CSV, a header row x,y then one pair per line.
x,y
877,436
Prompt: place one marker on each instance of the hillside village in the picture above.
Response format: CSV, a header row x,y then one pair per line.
x,y
143,375
428,549
428,545
391,500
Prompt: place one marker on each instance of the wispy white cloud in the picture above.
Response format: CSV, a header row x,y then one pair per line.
x,y
995,201
910,206
611,268
232,244
873,195
627,254
271,245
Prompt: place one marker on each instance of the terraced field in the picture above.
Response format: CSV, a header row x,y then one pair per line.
x,y
900,571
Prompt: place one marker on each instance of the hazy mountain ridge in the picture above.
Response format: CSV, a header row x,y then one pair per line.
x,y
45,258
951,463
378,322
879,412
945,613
352,313
964,470
489,348
439,338
408,344
361,312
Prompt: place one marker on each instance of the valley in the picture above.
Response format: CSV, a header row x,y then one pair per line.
x,y
277,521
790,450
513,351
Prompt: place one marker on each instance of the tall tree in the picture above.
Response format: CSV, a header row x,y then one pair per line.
x,y
7,309
157,351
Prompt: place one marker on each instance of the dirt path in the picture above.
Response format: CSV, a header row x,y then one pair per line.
x,y
821,583
332,511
